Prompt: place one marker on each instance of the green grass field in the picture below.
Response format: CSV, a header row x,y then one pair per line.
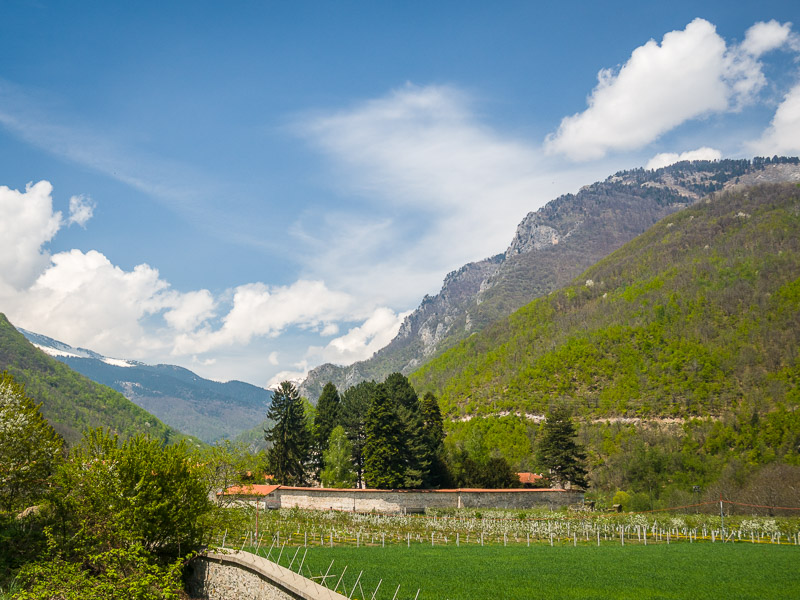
x,y
697,571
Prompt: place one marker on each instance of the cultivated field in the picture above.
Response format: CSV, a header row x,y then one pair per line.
x,y
502,554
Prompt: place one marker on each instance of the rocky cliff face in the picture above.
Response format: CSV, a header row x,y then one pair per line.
x,y
551,246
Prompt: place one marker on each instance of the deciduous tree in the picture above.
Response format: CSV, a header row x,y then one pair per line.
x,y
338,471
29,447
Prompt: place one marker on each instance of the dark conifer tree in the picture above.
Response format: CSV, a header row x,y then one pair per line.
x,y
289,436
558,452
415,450
353,412
433,428
384,450
400,390
327,418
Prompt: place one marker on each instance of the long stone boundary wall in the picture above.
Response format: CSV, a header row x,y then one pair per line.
x,y
238,575
404,500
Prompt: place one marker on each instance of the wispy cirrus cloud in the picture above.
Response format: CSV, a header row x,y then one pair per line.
x,y
433,175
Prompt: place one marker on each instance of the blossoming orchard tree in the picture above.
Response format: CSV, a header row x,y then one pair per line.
x,y
29,447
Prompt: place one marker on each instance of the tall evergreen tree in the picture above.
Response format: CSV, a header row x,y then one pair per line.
x,y
400,390
289,435
384,450
433,427
414,449
558,452
327,418
353,410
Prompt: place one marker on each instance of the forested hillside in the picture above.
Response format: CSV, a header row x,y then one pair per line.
x,y
678,354
698,316
71,402
550,247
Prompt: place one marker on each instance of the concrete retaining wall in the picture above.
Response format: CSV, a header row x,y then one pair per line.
x,y
244,576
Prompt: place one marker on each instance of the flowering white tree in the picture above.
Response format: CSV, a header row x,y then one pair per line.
x,y
29,447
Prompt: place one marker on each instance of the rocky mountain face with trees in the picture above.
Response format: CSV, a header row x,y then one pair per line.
x,y
550,247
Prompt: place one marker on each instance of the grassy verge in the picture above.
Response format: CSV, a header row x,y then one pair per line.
x,y
700,571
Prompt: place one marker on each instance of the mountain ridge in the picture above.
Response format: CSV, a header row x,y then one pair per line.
x,y
696,317
550,247
209,410
70,401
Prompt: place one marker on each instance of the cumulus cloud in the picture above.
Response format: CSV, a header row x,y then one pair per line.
x,y
361,342
190,310
670,158
84,299
764,37
783,134
27,223
261,310
691,73
81,209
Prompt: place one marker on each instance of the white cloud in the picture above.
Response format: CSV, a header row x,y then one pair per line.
x,y
433,175
273,359
190,310
783,134
764,37
361,342
692,73
81,209
259,310
87,301
670,158
27,223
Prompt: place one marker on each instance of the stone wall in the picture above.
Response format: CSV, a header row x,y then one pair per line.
x,y
418,500
244,576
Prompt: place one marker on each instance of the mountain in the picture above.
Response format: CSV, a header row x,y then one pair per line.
x,y
697,317
208,410
550,247
69,401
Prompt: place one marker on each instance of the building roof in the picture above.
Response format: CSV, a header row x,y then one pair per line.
x,y
525,478
265,490
257,489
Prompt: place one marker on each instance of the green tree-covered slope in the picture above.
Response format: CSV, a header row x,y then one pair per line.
x,y
550,247
70,401
699,315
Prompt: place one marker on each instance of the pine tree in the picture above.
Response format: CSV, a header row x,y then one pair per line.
x,y
384,450
290,436
353,410
433,427
327,418
414,451
559,453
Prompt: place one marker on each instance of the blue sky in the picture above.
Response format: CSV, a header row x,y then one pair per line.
x,y
249,189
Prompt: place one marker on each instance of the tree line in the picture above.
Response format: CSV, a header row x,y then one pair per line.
x,y
382,435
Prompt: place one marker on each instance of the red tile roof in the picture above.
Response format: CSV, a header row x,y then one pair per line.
x,y
249,490
529,477
265,490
